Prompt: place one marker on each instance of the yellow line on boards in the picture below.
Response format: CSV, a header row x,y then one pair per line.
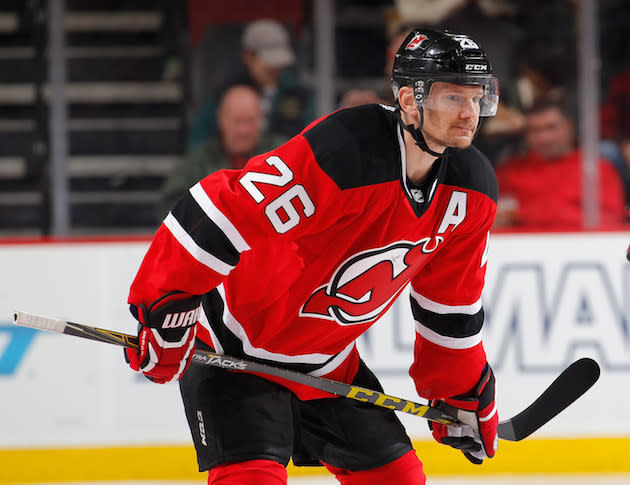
x,y
532,456
93,464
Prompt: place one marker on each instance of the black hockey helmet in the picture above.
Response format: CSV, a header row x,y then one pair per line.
x,y
427,56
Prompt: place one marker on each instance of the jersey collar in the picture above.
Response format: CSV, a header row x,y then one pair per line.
x,y
420,197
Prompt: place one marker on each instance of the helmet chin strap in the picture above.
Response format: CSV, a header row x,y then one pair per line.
x,y
417,135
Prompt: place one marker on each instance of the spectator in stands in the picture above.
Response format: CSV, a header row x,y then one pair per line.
x,y
542,189
267,56
615,126
240,121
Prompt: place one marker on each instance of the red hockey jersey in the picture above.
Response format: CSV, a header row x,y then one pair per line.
x,y
301,251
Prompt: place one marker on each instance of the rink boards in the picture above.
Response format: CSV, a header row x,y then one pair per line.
x,y
70,409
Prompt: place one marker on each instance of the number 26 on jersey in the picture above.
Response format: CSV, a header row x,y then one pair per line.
x,y
282,211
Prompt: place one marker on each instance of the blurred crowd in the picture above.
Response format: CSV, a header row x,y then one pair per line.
x,y
532,142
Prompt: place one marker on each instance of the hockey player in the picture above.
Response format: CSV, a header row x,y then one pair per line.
x,y
289,260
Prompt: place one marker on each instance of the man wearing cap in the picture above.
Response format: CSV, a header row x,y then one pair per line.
x,y
267,57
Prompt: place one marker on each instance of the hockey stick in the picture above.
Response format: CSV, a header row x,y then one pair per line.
x,y
574,381
357,393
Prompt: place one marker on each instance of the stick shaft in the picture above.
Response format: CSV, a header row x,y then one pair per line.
x,y
204,357
574,381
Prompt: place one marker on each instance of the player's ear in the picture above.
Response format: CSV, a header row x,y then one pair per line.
x,y
406,99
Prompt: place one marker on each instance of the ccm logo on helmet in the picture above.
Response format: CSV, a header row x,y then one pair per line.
x,y
181,319
476,67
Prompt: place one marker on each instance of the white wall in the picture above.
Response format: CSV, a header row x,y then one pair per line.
x,y
549,300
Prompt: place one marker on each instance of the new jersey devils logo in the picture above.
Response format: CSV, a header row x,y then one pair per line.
x,y
415,41
365,284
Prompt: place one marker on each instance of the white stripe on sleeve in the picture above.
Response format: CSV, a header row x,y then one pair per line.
x,y
201,255
448,342
442,309
218,218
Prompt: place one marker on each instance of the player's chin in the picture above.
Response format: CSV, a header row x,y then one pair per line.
x,y
461,142
461,137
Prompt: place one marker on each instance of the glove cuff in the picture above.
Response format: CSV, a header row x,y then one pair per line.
x,y
485,391
480,398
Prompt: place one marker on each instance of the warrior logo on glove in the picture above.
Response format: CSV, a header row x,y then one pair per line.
x,y
182,319
166,338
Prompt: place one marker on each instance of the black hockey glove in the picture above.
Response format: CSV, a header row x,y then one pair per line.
x,y
166,334
477,436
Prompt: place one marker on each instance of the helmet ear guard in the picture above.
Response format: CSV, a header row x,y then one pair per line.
x,y
415,132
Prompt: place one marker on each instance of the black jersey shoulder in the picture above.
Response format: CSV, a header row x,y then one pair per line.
x,y
357,146
470,169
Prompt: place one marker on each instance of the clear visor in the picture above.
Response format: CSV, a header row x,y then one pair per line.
x,y
477,96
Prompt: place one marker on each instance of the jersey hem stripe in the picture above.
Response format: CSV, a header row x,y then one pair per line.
x,y
334,363
248,348
205,323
